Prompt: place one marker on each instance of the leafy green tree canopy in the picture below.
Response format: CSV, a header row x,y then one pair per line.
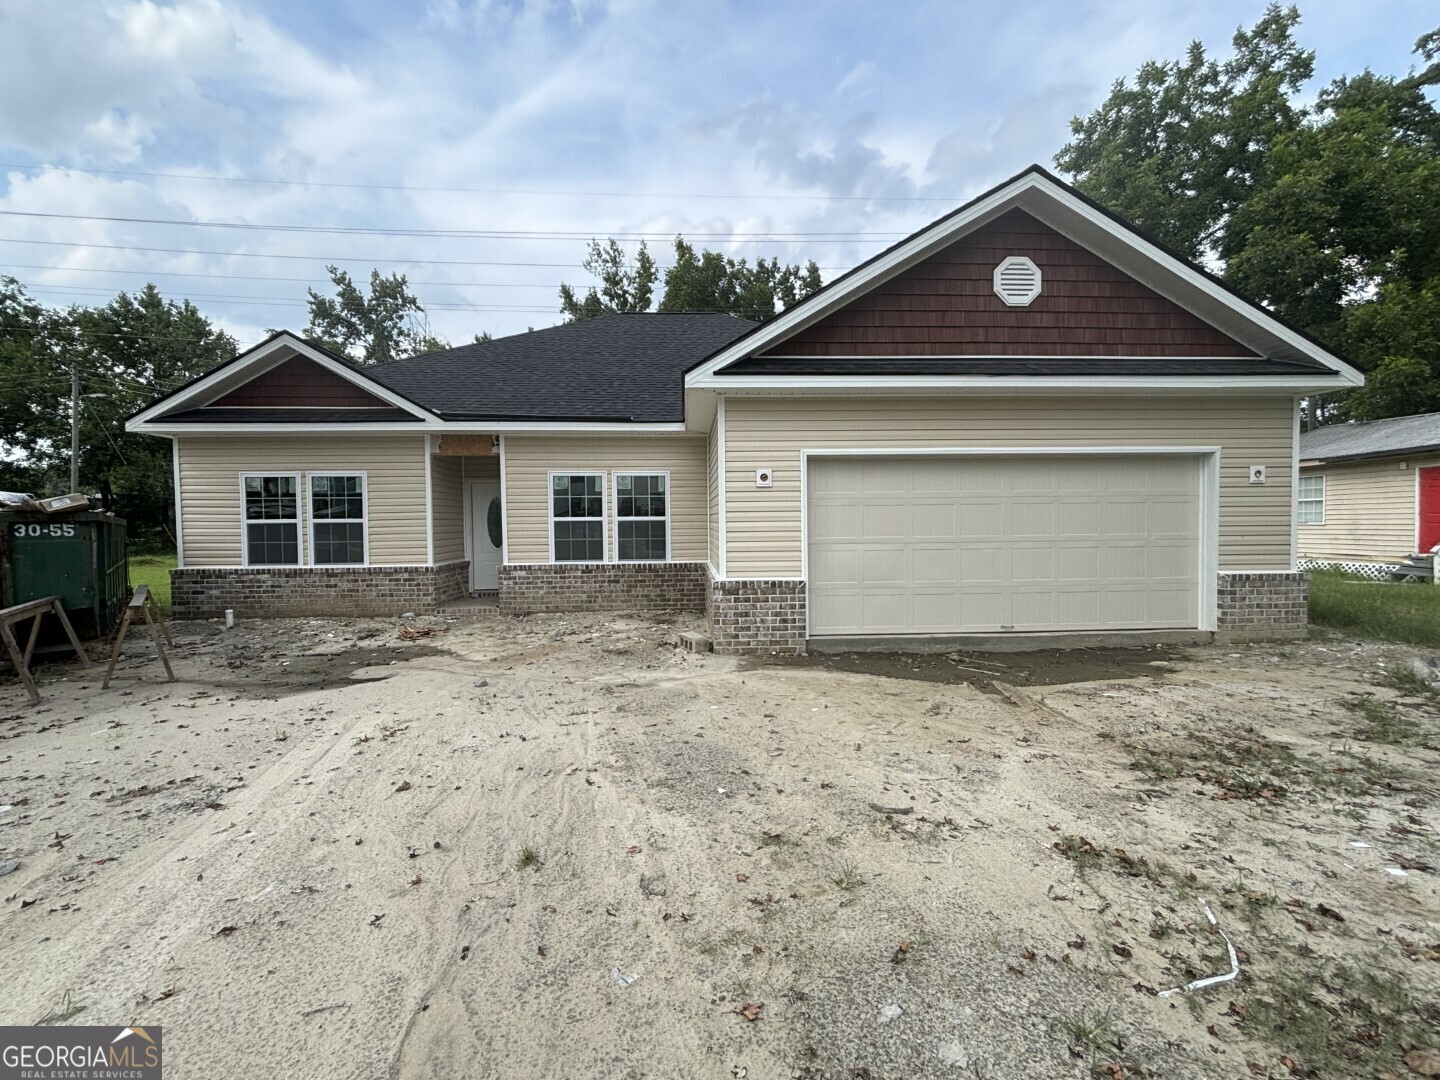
x,y
622,287
385,326
1326,211
697,281
125,354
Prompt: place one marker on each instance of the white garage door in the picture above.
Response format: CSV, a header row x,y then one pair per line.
x,y
978,545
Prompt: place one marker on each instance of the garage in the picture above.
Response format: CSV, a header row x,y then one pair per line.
x,y
970,544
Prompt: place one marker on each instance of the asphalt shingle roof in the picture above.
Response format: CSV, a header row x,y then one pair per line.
x,y
1375,438
626,367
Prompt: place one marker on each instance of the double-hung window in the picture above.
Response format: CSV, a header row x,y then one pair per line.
x,y
1310,504
337,519
642,517
272,519
577,517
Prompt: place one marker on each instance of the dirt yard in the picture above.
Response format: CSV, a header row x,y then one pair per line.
x,y
562,847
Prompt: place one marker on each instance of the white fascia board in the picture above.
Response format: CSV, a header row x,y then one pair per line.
x,y
1042,195
437,427
261,360
1020,385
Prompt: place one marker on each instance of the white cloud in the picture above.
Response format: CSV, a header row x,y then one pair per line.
x,y
824,121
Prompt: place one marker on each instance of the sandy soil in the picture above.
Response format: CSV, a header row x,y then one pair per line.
x,y
306,858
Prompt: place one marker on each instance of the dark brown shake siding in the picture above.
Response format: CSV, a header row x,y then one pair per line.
x,y
946,306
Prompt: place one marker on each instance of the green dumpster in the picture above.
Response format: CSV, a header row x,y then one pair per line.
x,y
79,557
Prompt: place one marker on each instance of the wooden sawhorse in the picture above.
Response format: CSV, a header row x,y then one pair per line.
x,y
144,603
34,609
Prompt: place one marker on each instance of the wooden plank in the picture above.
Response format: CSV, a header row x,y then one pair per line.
x,y
119,643
465,446
36,610
7,633
143,604
59,609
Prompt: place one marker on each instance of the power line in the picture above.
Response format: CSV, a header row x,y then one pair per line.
x,y
489,191
385,261
266,277
13,331
283,301
844,237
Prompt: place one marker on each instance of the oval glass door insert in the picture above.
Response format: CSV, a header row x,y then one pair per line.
x,y
492,521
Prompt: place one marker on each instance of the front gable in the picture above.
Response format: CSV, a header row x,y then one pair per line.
x,y
283,383
948,305
1112,310
298,383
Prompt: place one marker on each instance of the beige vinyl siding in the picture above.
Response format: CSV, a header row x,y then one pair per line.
x,y
712,494
210,469
763,535
529,459
447,506
1369,511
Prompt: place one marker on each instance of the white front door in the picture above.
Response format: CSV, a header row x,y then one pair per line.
x,y
486,529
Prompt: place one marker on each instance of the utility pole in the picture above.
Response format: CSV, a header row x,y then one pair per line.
x,y
74,426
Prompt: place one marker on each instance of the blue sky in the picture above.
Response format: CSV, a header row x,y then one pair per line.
x,y
745,123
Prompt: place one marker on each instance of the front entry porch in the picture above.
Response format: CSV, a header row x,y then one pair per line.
x,y
467,512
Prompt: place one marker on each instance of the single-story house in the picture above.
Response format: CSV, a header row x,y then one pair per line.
x,y
1025,419
1370,493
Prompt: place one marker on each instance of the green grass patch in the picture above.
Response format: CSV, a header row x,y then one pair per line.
x,y
1382,721
1346,1021
1406,612
153,570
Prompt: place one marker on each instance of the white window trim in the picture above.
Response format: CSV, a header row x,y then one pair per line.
x,y
616,518
298,519
364,519
550,515
1301,499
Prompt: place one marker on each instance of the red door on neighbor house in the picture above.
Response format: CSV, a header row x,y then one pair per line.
x,y
1429,509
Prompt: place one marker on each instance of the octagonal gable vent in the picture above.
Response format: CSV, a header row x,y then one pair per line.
x,y
1017,281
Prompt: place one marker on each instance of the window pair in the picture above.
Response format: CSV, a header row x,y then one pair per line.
x,y
272,519
642,517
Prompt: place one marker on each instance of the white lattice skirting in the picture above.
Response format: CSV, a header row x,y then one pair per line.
x,y
1378,571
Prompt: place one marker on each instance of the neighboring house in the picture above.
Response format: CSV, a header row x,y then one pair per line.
x,y
1026,418
1370,493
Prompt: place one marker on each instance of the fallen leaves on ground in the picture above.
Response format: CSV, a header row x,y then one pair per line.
x,y
750,1010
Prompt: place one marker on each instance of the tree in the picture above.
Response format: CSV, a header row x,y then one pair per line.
x,y
384,326
697,281
622,288
135,348
30,390
1183,147
126,354
1324,212
711,281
